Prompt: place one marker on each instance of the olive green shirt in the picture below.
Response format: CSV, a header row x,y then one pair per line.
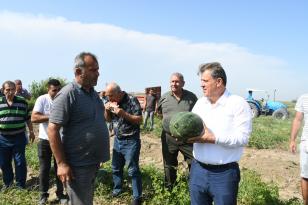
x,y
168,105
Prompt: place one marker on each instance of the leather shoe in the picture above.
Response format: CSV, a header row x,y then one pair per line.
x,y
136,202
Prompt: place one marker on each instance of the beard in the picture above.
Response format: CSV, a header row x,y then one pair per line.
x,y
89,81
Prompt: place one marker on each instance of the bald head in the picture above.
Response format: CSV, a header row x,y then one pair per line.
x,y
114,92
113,88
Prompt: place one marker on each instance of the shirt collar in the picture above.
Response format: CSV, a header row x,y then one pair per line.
x,y
80,87
222,99
124,99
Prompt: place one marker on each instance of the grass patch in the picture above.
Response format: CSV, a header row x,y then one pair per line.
x,y
267,133
252,190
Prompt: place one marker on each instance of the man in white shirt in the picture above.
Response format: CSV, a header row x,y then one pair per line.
x,y
40,114
301,109
215,173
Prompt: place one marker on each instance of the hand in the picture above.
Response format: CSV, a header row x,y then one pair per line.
x,y
64,173
111,106
206,137
118,111
31,136
292,146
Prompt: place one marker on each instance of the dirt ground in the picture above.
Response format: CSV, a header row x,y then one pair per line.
x,y
278,166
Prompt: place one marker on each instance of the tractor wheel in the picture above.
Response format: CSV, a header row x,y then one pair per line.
x,y
281,114
254,110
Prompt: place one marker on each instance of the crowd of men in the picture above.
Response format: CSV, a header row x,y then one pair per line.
x,y
73,129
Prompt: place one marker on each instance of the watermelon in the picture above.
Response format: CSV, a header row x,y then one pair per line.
x,y
185,125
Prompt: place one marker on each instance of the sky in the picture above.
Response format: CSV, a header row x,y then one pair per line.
x,y
140,43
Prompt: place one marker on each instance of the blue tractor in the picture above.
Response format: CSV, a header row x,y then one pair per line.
x,y
266,107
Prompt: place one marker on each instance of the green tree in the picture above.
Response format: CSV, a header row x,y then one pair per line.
x,y
40,88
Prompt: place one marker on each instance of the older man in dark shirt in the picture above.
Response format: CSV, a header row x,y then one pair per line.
x,y
125,113
20,91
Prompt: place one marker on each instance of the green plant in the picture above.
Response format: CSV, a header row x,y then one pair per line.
x,y
32,156
39,88
252,191
157,127
268,132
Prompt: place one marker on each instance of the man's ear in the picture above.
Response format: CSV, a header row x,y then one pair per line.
x,y
78,71
219,82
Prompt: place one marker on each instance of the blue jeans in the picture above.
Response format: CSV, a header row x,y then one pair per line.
x,y
214,184
148,114
13,147
127,151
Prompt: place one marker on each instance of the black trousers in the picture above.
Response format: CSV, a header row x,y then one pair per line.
x,y
170,149
45,157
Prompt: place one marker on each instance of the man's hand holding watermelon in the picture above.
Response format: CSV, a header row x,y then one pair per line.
x,y
206,137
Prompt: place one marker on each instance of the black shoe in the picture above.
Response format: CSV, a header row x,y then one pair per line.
x,y
63,199
136,202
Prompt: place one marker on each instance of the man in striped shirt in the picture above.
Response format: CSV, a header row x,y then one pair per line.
x,y
14,115
301,109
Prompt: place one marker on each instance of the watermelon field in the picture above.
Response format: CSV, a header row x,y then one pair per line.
x,y
269,173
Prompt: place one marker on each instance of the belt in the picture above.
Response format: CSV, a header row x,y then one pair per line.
x,y
216,166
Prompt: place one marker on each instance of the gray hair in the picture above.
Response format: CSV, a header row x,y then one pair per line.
x,y
8,82
179,75
79,60
115,88
18,82
216,69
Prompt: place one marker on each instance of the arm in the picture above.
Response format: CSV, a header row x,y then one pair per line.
x,y
206,137
242,125
134,119
37,117
145,103
31,132
28,95
156,106
107,113
294,130
64,171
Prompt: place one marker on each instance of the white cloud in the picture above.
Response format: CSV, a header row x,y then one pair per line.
x,y
34,47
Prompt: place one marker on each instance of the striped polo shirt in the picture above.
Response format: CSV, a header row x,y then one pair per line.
x,y
302,106
13,118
